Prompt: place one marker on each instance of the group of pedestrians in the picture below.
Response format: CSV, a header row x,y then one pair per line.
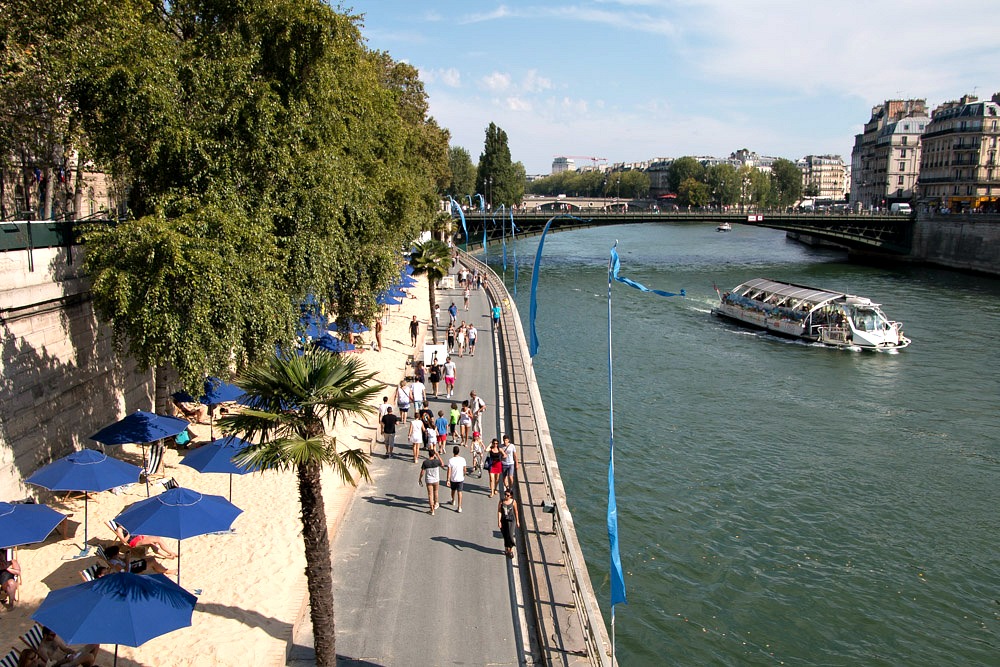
x,y
460,425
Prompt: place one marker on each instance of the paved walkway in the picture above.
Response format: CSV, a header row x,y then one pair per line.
x,y
416,589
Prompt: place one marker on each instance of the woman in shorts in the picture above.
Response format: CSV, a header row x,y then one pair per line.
x,y
403,401
465,422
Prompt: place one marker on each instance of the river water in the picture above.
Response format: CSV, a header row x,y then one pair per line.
x,y
779,503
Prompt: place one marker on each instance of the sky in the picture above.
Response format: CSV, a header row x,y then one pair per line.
x,y
634,80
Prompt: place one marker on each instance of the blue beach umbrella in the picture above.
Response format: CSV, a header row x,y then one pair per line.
x,y
334,345
179,513
85,470
353,327
407,281
26,523
140,427
217,456
396,291
386,300
120,608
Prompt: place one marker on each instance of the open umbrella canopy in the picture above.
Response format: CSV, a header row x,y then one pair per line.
x,y
407,281
217,456
353,327
121,608
85,470
216,392
179,513
26,523
334,345
140,427
387,300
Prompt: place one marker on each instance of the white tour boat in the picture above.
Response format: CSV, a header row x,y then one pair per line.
x,y
821,316
724,227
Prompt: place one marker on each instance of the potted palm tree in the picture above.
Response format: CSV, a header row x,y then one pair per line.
x,y
433,259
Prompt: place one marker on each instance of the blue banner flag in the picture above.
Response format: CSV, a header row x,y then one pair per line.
x,y
533,303
616,265
617,577
455,206
513,243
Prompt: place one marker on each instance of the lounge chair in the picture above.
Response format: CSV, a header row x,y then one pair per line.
x,y
120,532
90,573
10,554
169,483
153,462
33,637
10,660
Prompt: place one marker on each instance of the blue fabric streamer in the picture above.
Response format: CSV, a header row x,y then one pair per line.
x,y
513,241
616,574
616,265
456,207
533,304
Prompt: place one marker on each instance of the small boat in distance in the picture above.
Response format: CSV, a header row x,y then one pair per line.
x,y
815,315
724,227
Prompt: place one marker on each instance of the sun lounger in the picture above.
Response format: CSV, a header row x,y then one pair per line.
x,y
90,573
10,660
169,483
153,462
120,532
33,637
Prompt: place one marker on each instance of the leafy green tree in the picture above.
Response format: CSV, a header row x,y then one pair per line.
x,y
761,194
463,173
723,184
433,259
289,401
786,182
811,190
682,169
693,192
496,177
635,183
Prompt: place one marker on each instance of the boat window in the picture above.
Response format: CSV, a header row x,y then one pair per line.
x,y
869,320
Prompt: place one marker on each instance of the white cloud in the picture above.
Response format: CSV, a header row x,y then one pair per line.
x,y
518,104
496,82
534,83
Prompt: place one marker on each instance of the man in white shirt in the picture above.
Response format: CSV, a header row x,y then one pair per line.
x,y
416,437
478,407
456,476
418,392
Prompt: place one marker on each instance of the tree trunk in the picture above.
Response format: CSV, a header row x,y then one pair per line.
x,y
319,569
433,298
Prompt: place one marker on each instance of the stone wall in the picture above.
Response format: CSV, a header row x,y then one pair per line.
x,y
966,242
60,379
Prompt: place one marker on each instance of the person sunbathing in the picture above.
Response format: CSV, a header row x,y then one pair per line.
x,y
52,646
9,571
136,541
195,412
119,562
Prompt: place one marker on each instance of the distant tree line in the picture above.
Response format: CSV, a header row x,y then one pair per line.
x,y
625,183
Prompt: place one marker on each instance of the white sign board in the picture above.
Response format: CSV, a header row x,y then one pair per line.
x,y
430,350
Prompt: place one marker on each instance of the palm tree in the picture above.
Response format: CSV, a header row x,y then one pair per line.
x,y
289,401
432,257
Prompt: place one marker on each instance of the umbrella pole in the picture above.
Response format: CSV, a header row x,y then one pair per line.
x,y
230,487
178,562
86,513
145,466
116,655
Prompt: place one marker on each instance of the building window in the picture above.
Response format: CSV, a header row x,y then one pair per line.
x,y
899,181
902,152
906,140
902,166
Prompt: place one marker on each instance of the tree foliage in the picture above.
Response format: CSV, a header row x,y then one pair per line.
x,y
682,169
433,259
463,173
786,182
497,178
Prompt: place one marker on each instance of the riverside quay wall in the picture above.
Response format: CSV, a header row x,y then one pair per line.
x,y
966,242
60,379
570,626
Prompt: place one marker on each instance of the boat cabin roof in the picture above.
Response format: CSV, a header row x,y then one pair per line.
x,y
787,294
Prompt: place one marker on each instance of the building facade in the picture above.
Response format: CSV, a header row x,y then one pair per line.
x,y
886,156
958,163
825,175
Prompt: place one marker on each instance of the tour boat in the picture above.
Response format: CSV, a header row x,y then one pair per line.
x,y
724,227
815,315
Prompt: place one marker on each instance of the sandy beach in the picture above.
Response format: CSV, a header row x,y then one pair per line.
x,y
252,582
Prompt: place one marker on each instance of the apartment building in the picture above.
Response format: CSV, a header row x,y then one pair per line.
x,y
958,163
826,174
886,157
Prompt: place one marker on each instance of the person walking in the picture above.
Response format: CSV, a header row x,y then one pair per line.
x,y
465,295
451,338
453,313
416,436
477,407
453,416
464,422
414,330
418,393
508,519
441,428
460,340
494,465
378,333
389,422
403,401
472,334
437,316
430,472
456,477
434,375
497,311
450,375
509,462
